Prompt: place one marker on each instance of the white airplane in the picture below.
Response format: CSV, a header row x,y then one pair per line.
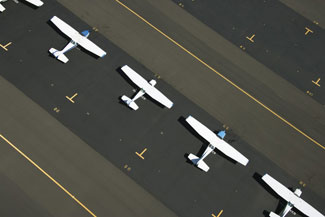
x,y
215,142
146,87
293,199
76,39
37,3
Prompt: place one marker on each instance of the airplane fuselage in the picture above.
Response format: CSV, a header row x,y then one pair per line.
x,y
142,91
207,151
72,44
290,205
286,210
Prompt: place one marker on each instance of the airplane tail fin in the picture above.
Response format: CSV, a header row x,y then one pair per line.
x,y
199,163
129,102
58,55
272,214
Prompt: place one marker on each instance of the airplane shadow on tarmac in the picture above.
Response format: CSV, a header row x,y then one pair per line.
x,y
282,203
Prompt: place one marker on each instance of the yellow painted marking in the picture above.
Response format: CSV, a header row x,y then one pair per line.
x,y
140,155
251,38
302,183
71,98
309,93
225,126
218,214
56,109
316,82
222,76
5,46
127,167
308,30
46,174
315,22
242,47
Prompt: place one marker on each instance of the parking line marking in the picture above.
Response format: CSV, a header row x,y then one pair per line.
x,y
316,82
251,38
218,214
140,155
71,98
5,46
308,30
46,174
222,76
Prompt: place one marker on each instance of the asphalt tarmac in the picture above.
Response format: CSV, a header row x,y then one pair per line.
x,y
116,133
272,33
266,111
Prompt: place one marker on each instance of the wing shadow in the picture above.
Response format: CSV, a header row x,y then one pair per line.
x,y
281,204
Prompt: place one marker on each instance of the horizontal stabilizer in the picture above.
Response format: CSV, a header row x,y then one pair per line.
x,y
193,158
129,102
2,9
199,163
272,214
203,166
58,55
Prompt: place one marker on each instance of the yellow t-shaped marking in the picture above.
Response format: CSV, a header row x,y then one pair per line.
x,y
5,46
251,38
71,98
308,30
140,155
218,214
316,82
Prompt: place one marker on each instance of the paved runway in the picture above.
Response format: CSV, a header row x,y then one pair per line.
x,y
116,133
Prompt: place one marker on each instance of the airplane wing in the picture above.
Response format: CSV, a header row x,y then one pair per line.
x,y
2,8
280,189
289,196
307,209
64,27
150,90
37,3
205,132
218,143
90,46
157,95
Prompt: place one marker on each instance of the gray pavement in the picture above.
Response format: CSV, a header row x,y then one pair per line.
x,y
93,180
273,34
256,125
312,10
111,132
